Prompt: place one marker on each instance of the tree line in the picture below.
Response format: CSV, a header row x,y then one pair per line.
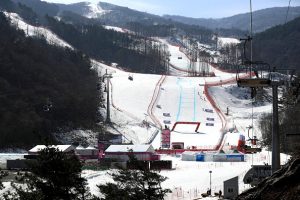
x,y
279,46
132,52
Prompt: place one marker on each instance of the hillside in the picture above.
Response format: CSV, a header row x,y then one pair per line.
x,y
109,14
274,16
279,46
283,184
44,89
131,51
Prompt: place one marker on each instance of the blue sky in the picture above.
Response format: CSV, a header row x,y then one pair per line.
x,y
193,8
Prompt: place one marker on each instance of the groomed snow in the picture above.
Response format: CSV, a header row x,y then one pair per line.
x,y
225,41
118,29
95,10
30,30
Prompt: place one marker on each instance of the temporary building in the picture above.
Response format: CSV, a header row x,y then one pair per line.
x,y
193,156
188,156
86,153
220,156
200,157
235,156
121,152
63,148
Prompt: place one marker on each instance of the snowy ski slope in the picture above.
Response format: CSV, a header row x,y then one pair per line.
x,y
148,97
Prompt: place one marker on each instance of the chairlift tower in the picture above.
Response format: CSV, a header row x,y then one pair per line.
x,y
107,77
265,82
193,59
260,75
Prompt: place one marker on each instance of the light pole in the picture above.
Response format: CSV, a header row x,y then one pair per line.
x,y
210,182
108,77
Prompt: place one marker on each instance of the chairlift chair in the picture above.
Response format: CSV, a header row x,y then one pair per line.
x,y
46,108
98,86
251,149
258,75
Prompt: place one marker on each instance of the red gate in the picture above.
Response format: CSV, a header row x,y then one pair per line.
x,y
194,123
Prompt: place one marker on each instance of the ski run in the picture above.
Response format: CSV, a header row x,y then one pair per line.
x,y
164,100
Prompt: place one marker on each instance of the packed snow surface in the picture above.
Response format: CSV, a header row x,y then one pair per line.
x,y
95,10
226,41
30,30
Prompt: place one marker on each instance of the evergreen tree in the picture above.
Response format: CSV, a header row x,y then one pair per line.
x,y
140,184
44,89
289,123
54,175
1,176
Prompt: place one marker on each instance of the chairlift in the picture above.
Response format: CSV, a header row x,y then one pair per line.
x,y
259,73
130,77
49,104
46,108
253,140
98,86
251,149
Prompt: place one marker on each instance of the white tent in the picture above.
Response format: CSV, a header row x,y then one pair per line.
x,y
62,148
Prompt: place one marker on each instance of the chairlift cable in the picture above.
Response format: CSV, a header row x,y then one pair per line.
x,y
251,34
251,58
252,118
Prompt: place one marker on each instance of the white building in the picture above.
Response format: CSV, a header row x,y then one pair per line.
x,y
63,148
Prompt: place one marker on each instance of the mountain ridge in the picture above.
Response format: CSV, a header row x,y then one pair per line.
x,y
120,15
241,21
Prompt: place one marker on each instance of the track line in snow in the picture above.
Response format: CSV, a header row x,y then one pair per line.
x,y
180,98
154,99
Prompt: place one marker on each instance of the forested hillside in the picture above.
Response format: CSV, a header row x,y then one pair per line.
x,y
132,52
262,19
279,46
43,89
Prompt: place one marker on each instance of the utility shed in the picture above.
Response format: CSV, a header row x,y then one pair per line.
x,y
231,188
121,152
63,148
